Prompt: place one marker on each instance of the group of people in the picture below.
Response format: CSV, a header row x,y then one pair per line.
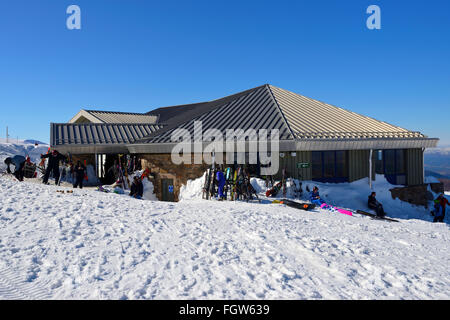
x,y
439,204
78,170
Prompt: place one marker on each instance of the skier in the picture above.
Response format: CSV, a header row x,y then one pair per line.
x,y
137,188
19,163
373,203
53,165
221,184
441,203
315,197
79,172
113,172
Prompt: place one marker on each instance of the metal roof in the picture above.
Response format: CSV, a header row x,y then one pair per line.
x,y
96,116
98,133
313,119
253,109
269,107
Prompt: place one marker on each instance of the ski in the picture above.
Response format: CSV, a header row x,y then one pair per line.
x,y
374,216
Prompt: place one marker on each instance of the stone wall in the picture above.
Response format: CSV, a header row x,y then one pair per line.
x,y
162,167
418,194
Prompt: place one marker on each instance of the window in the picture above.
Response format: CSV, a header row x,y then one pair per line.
x,y
341,164
329,166
317,165
394,166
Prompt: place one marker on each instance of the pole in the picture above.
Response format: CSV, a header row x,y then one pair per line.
x,y
7,135
370,169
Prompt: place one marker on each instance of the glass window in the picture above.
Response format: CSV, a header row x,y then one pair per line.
x,y
341,164
316,164
389,161
329,164
400,161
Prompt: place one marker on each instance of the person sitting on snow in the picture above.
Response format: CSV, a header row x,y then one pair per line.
x,y
137,188
19,163
315,197
375,205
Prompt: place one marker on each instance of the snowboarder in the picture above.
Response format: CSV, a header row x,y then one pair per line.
x,y
373,204
19,163
315,197
221,184
441,203
79,172
137,188
53,165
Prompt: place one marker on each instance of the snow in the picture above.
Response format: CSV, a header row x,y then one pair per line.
x,y
21,148
93,245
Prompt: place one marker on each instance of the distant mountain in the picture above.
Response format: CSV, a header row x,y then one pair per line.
x,y
22,148
31,141
437,161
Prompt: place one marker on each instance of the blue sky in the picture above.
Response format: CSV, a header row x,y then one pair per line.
x,y
139,55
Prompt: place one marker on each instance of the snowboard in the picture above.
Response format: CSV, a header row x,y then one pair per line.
x,y
297,205
335,209
374,216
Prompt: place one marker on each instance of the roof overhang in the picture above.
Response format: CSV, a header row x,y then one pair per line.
x,y
92,149
306,145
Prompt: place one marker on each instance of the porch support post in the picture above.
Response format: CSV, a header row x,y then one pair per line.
x,y
370,168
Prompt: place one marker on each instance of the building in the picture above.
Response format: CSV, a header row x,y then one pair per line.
x,y
318,141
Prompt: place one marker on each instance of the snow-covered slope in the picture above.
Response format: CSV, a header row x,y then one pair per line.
x,y
93,245
21,148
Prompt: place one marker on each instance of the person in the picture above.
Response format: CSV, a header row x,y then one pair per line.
x,y
19,163
221,184
113,172
315,197
137,188
373,204
79,172
440,205
53,165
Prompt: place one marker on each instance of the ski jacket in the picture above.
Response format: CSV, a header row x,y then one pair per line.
x,y
443,202
137,189
220,177
79,170
314,195
17,161
53,160
372,202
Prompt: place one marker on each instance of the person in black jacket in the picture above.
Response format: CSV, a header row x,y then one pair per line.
x,y
79,172
375,205
53,165
19,163
137,188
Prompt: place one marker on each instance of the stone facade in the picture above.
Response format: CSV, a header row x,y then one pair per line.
x,y
418,194
162,167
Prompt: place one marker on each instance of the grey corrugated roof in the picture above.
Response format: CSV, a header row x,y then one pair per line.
x,y
270,107
98,133
313,119
251,109
97,116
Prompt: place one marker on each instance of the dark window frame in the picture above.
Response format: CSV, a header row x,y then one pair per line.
x,y
334,179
